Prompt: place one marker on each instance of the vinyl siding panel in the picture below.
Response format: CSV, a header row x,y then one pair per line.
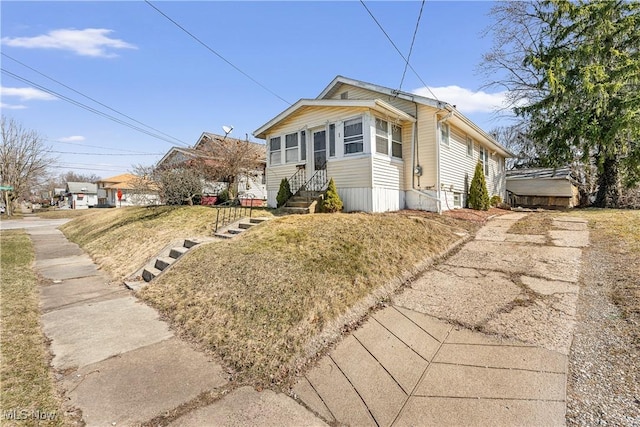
x,y
388,173
350,172
311,117
540,187
273,178
427,139
361,93
387,199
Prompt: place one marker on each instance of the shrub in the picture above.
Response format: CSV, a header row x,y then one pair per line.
x,y
478,194
332,202
284,192
495,200
223,196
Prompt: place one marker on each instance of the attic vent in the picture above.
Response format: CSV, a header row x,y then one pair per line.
x,y
344,95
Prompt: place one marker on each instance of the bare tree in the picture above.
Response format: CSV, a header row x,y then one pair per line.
x,y
229,159
24,160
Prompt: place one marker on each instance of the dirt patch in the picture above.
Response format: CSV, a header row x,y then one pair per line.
x,y
479,217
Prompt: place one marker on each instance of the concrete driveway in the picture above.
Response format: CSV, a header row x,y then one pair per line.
x,y
481,339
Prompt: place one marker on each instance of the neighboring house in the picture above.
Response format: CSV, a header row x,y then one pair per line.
x,y
128,185
81,195
385,149
549,188
250,184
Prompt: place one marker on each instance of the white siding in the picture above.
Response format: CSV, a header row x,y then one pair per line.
x,y
350,172
387,172
387,199
274,176
356,199
540,187
426,141
361,93
415,200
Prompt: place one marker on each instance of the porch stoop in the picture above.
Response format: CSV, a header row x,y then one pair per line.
x,y
304,202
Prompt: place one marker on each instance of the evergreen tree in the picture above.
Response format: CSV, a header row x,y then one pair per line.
x,y
478,194
284,192
332,201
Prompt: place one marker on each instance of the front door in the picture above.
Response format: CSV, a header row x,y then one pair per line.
x,y
319,149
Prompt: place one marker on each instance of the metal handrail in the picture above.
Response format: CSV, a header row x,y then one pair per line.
x,y
318,180
297,180
232,211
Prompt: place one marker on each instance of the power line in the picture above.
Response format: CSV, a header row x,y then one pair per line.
x,y
413,40
94,146
94,100
217,54
398,50
86,107
106,154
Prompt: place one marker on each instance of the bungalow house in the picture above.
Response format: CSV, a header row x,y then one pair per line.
x,y
385,149
543,187
250,183
128,187
81,195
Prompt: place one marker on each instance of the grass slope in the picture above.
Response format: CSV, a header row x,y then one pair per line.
x,y
26,382
257,301
122,240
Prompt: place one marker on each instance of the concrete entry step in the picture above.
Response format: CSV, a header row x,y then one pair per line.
x,y
188,243
150,273
178,252
162,263
246,225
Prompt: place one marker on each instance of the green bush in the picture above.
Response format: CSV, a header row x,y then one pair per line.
x,y
284,192
478,194
223,196
495,200
332,202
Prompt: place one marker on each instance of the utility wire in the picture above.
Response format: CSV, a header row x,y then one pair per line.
x,y
94,100
94,146
398,50
105,154
217,54
86,107
413,40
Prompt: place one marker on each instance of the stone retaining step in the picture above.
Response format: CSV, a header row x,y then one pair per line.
x,y
162,263
178,252
149,273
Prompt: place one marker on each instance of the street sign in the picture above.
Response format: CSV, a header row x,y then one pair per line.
x,y
6,187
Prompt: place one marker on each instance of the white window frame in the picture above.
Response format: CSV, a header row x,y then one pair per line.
x,y
469,146
457,200
397,142
444,134
484,160
272,158
331,150
290,150
389,138
382,134
353,141
303,145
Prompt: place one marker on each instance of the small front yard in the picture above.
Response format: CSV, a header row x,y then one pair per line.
x,y
27,387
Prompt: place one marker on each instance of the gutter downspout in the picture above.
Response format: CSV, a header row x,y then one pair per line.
x,y
414,149
438,122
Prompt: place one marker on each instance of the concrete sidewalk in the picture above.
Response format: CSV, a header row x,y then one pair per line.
x,y
118,363
404,366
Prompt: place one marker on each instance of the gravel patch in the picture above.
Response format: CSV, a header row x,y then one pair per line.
x,y
604,377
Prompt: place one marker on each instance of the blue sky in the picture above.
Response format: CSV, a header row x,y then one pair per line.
x,y
132,59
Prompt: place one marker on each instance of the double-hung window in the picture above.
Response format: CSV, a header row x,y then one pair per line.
x,y
396,141
353,136
274,151
484,160
469,147
382,137
444,133
291,147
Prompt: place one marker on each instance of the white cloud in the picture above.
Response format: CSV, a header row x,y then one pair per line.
x,y
88,42
12,107
73,138
466,100
26,93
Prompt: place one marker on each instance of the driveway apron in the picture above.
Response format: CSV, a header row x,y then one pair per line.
x,y
480,339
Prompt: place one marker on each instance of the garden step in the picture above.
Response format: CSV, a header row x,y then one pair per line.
x,y
298,204
235,230
246,225
190,243
149,273
224,235
258,220
162,263
177,252
294,210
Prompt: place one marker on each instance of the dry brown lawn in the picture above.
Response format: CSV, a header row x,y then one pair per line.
x,y
123,240
258,301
